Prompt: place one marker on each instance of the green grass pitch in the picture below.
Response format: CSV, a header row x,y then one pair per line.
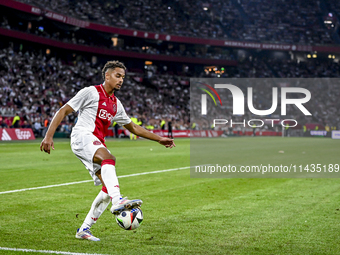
x,y
182,215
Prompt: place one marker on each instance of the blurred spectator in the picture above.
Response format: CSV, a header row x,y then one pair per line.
x,y
116,129
3,123
170,135
26,124
16,121
37,128
8,122
45,125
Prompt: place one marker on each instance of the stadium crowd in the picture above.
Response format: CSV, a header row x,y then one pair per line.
x,y
91,38
35,87
250,20
272,21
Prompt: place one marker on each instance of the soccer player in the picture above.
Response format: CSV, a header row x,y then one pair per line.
x,y
98,109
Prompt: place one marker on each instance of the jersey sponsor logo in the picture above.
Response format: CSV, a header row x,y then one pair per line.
x,y
104,103
103,114
96,143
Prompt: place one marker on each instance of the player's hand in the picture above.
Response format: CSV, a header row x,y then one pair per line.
x,y
167,142
46,145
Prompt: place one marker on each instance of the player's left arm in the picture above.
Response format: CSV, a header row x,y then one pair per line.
x,y
140,131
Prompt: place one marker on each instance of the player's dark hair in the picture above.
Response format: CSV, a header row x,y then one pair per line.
x,y
112,65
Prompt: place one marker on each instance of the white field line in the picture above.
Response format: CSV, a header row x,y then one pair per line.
x,y
46,251
71,183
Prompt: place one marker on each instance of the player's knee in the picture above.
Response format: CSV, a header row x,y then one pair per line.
x,y
108,156
101,155
112,157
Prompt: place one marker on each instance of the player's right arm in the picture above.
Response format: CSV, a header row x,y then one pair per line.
x,y
47,142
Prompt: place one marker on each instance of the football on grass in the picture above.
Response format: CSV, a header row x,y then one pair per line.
x,y
130,219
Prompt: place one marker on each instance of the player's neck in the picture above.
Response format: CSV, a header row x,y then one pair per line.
x,y
108,90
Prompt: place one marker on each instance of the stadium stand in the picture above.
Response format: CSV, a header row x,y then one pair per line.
x,y
36,86
273,21
250,20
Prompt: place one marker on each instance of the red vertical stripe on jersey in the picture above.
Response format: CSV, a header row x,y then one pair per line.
x,y
107,109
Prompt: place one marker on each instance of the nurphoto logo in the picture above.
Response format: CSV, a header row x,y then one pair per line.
x,y
238,105
204,97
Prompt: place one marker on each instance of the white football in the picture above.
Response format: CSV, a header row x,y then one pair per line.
x,y
130,219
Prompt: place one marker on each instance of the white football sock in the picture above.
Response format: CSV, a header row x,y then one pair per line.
x,y
99,205
110,179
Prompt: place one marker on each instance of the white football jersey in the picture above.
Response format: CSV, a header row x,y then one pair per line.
x,y
97,111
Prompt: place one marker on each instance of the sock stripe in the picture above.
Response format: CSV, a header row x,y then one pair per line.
x,y
108,162
104,189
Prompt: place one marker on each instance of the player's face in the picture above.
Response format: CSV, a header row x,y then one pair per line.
x,y
115,78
